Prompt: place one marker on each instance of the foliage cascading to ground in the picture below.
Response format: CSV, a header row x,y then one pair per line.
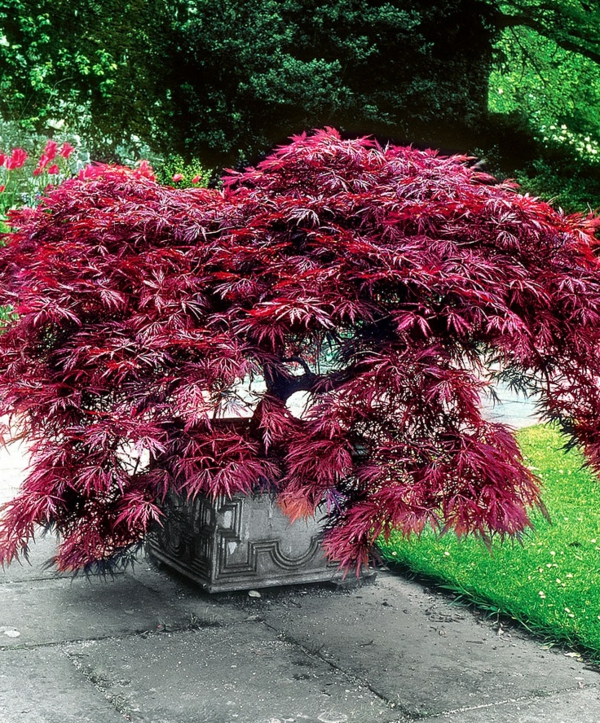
x,y
372,280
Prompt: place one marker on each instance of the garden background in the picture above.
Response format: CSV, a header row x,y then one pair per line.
x,y
515,82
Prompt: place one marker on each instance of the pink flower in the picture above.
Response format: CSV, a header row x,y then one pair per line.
x,y
196,179
17,159
145,170
3,158
54,169
43,162
38,170
50,149
177,177
2,187
66,150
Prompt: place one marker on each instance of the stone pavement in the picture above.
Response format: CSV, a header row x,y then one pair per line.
x,y
511,408
145,646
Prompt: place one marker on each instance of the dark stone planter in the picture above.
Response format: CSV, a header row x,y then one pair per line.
x,y
241,543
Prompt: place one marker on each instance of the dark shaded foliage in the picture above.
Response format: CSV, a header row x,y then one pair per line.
x,y
225,80
248,74
374,280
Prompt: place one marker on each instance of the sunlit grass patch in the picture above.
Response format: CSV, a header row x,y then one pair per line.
x,y
549,582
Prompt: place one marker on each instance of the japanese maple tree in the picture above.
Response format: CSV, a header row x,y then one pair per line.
x,y
376,284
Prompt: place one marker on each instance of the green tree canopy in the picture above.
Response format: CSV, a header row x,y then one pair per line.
x,y
254,71
228,79
574,25
546,83
94,63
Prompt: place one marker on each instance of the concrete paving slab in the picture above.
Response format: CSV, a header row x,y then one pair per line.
x,y
582,706
201,609
417,650
43,686
298,654
242,674
52,611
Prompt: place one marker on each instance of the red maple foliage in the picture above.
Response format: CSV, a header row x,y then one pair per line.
x,y
376,281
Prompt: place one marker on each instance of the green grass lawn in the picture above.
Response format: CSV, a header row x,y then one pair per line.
x,y
550,582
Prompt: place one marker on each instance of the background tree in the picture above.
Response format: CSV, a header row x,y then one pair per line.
x,y
574,25
252,72
544,99
226,81
96,64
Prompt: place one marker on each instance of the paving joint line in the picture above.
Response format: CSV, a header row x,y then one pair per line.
x,y
49,578
52,578
521,699
117,702
392,705
141,633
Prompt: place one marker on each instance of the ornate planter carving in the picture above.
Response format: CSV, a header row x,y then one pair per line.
x,y
240,543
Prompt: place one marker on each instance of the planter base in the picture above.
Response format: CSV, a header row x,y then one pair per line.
x,y
241,543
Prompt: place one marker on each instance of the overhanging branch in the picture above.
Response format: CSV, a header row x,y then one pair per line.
x,y
574,44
